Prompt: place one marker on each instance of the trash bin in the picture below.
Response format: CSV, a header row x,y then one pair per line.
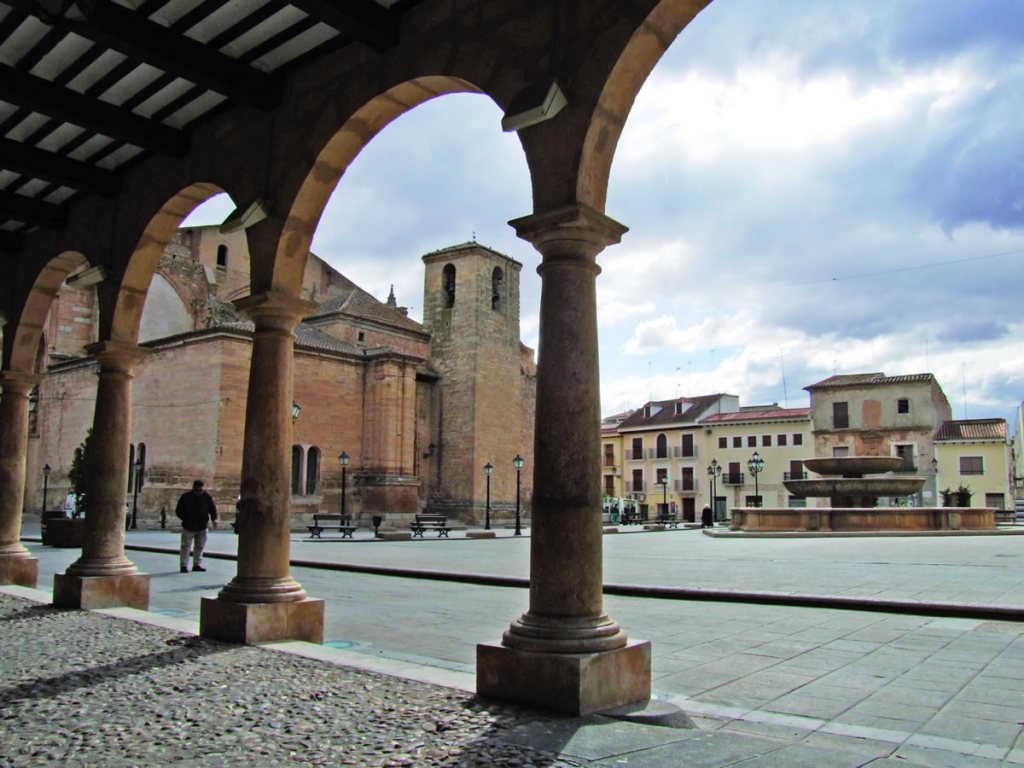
x,y
45,517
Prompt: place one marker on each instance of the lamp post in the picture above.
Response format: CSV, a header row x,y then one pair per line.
x,y
663,482
295,411
343,460
935,475
46,484
755,464
487,519
714,472
135,491
518,462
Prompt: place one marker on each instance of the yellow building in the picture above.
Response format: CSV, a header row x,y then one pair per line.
x,y
781,438
975,453
612,455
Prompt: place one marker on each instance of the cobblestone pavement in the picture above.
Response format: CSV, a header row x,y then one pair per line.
x,y
80,688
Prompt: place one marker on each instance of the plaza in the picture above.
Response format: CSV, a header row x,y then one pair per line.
x,y
763,682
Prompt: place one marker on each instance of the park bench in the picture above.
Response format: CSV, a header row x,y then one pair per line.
x,y
343,523
437,523
669,519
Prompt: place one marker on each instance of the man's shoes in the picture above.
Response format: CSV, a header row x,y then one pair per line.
x,y
198,568
184,569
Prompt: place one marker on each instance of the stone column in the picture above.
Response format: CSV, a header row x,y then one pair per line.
x,y
565,653
263,602
103,577
17,566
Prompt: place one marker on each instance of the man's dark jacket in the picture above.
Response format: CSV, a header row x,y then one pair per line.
x,y
196,512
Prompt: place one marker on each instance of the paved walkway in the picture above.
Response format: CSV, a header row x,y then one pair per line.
x,y
796,685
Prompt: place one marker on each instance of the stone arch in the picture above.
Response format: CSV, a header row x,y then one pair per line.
x,y
167,310
21,344
643,51
333,160
124,322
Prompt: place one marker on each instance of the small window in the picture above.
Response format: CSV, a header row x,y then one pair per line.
x,y
752,441
840,416
312,470
995,501
840,452
140,459
903,405
638,448
662,447
972,465
737,442
361,337
780,440
448,285
723,442
662,476
906,452
679,409
766,441
798,439
796,503
131,467
497,280
222,256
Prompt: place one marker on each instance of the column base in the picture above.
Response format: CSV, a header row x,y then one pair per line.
x,y
87,592
23,571
251,623
575,684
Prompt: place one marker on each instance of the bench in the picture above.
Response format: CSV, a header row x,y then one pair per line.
x,y
672,521
343,523
437,523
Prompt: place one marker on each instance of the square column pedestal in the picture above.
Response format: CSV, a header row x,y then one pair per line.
x,y
252,623
571,683
23,571
87,592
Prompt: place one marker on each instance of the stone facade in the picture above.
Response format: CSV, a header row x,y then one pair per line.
x,y
414,412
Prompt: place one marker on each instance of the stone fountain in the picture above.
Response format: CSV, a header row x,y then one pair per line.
x,y
853,484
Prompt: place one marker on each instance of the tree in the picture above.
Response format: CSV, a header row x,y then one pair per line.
x,y
79,475
963,496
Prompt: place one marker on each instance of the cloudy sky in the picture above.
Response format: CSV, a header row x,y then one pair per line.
x,y
811,188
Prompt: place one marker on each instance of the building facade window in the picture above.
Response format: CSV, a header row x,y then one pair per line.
x,y
903,405
296,470
661,449
840,452
638,448
795,503
609,485
752,441
609,454
222,256
688,483
906,452
638,481
687,448
723,442
840,416
972,465
312,470
780,440
737,442
798,439
766,441
995,500
448,285
131,467
497,282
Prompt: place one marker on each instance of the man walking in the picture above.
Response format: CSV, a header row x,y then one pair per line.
x,y
195,510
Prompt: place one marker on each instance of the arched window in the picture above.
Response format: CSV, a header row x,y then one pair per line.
x,y
497,279
296,470
131,467
448,283
222,255
662,447
312,470
140,458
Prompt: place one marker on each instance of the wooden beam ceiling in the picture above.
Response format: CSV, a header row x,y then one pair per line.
x,y
363,20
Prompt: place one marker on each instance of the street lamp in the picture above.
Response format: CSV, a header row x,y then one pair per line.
x,y
714,472
663,482
295,411
487,471
518,462
755,464
46,484
935,476
137,467
343,460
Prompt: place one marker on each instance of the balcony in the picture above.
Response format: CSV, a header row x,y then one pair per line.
x,y
732,478
794,475
639,455
608,461
640,487
686,486
684,453
656,454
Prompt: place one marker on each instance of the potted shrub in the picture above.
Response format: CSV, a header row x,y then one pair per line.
x,y
69,532
963,496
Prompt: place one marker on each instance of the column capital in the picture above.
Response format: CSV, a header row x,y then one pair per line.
x,y
275,311
18,382
118,356
550,231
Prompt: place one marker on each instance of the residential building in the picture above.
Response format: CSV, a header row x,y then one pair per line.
x,y
782,438
664,453
612,481
871,414
975,454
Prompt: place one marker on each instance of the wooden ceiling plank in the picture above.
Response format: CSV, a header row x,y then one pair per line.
x,y
30,211
363,20
55,168
10,242
31,92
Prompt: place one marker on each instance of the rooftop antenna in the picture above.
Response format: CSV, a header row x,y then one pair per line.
x,y
926,354
677,383
782,365
650,386
689,384
963,379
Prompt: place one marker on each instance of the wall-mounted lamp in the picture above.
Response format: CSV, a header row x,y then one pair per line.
x,y
430,451
295,411
534,104
87,277
240,219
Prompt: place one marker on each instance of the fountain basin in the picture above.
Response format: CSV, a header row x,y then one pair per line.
x,y
854,466
771,519
854,491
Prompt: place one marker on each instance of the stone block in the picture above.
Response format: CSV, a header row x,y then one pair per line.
x,y
252,623
395,535
88,592
480,534
654,527
612,529
570,683
23,571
